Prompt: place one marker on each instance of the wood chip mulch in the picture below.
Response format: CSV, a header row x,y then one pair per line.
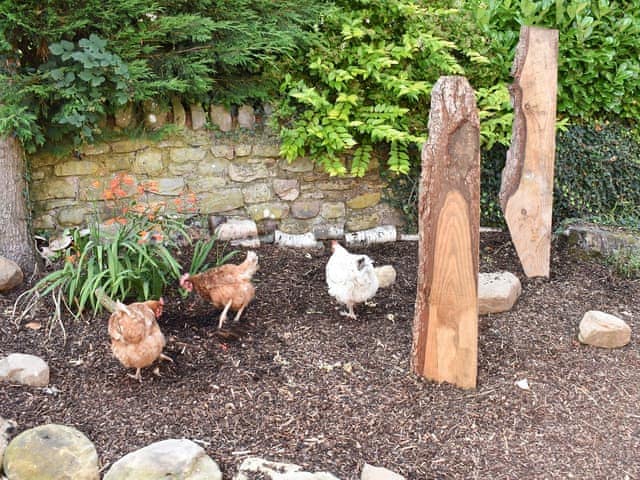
x,y
294,381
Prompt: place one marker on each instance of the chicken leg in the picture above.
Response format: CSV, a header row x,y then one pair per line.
x,y
137,375
350,313
223,315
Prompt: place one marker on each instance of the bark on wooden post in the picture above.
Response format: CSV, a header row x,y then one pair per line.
x,y
526,193
445,326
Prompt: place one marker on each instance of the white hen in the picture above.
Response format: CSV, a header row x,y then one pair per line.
x,y
353,279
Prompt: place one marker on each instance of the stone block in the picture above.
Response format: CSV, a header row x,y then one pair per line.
x,y
221,117
286,188
187,155
221,200
246,117
73,216
198,117
266,211
205,184
223,151
217,167
54,188
305,209
178,111
364,200
148,162
331,210
264,150
297,166
169,186
257,193
247,172
75,167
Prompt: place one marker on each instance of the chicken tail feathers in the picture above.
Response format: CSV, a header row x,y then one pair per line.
x,y
386,275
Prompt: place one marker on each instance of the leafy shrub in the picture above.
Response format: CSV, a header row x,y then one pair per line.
x,y
367,88
225,51
598,62
130,261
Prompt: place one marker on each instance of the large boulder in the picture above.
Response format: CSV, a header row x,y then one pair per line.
x,y
25,369
604,330
177,459
10,274
51,452
497,292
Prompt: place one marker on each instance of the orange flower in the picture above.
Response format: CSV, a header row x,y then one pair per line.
x,y
71,258
108,195
127,180
95,184
119,193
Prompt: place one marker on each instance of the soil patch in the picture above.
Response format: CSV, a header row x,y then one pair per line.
x,y
294,381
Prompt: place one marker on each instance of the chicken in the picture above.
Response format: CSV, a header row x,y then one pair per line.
x,y
353,279
227,286
136,339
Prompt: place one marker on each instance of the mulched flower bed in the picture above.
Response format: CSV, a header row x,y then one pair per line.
x,y
294,381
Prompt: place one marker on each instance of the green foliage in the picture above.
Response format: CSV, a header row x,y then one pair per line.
x,y
599,66
625,263
598,175
367,88
59,71
132,261
201,252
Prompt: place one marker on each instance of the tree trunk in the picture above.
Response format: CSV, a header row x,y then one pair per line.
x,y
526,193
445,325
15,241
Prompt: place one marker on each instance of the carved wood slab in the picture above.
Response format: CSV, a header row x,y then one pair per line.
x,y
526,192
445,327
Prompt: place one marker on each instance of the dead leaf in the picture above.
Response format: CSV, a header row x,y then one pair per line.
x,y
34,325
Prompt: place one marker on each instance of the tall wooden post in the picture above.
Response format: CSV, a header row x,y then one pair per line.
x,y
526,193
445,326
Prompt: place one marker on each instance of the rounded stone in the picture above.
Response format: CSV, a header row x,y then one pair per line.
x,y
51,452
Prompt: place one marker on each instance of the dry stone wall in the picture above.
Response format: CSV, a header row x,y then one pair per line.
x,y
235,173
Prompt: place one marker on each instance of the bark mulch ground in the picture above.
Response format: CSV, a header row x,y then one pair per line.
x,y
297,382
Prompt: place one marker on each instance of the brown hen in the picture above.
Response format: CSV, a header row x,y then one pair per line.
x,y
227,287
136,339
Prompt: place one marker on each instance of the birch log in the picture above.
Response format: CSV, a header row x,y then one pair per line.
x,y
445,326
526,192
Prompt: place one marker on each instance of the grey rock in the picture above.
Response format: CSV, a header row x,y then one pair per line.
x,y
174,458
24,369
51,452
10,274
369,472
254,468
